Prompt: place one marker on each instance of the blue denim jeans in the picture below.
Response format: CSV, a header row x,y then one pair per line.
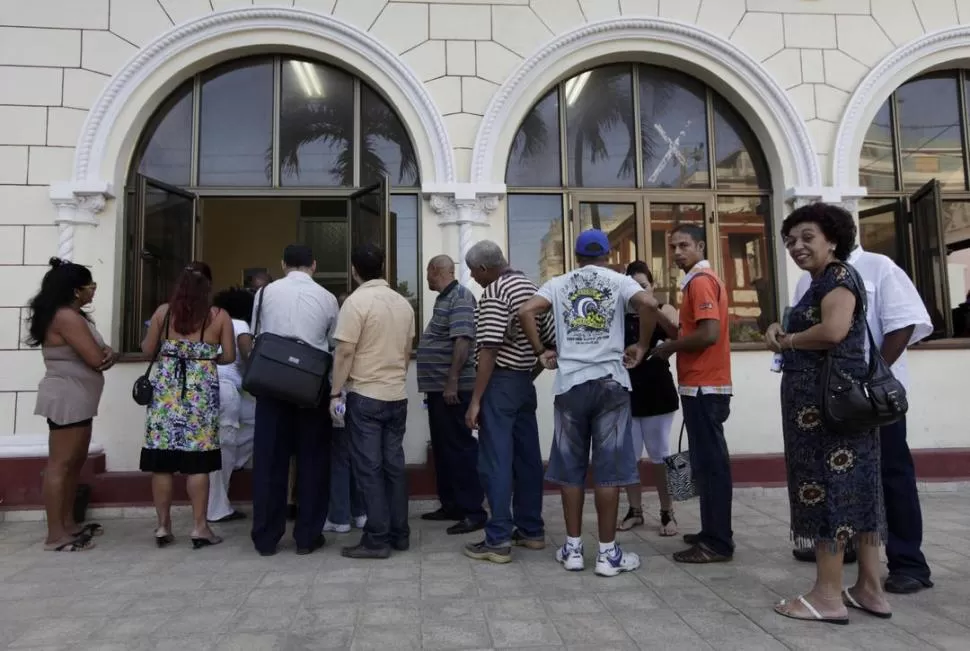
x,y
345,501
710,467
509,458
376,429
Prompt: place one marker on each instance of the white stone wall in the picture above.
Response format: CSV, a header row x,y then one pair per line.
x,y
57,56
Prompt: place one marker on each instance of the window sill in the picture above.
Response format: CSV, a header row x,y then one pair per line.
x,y
943,344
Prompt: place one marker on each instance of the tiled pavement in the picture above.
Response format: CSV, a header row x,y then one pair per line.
x,y
128,595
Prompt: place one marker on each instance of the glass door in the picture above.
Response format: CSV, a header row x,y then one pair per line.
x,y
371,221
619,219
663,214
926,214
882,229
163,232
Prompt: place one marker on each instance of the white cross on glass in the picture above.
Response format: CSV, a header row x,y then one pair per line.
x,y
673,151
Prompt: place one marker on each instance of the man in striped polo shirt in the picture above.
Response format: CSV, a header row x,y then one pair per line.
x,y
503,409
446,375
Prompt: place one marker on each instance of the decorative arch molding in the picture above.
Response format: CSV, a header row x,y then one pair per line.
x,y
187,48
910,60
721,64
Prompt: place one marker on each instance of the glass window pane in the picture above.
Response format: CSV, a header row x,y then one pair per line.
x,y
956,229
740,161
673,128
166,245
404,209
168,153
878,230
600,128
236,125
535,160
535,235
316,125
386,147
619,222
662,219
877,162
929,132
748,265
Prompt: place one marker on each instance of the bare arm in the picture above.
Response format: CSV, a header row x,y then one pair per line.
x,y
458,358
226,339
528,319
895,342
646,306
343,359
244,346
706,335
668,320
73,328
838,308
154,335
486,364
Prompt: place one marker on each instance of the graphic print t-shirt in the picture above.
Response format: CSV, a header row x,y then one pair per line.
x,y
588,307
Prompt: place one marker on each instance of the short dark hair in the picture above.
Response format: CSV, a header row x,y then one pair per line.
x,y
639,267
693,231
296,256
368,261
237,302
835,222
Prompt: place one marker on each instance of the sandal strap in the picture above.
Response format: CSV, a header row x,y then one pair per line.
x,y
809,607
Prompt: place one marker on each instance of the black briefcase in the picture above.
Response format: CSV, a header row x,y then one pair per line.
x,y
286,369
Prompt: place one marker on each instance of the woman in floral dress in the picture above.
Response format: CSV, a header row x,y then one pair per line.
x,y
834,481
182,427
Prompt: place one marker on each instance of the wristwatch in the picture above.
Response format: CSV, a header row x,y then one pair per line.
x,y
336,397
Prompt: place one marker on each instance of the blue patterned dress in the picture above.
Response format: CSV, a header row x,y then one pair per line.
x,y
834,482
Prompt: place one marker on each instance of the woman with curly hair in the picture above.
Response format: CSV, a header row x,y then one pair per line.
x,y
182,429
834,481
75,358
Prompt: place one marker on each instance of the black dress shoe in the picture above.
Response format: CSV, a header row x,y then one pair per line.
x,y
465,526
318,542
359,551
902,584
267,552
401,545
442,515
808,556
291,512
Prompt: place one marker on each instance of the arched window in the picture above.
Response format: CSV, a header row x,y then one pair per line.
x,y
257,153
633,150
914,163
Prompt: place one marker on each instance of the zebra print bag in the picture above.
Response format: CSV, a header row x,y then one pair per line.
x,y
680,484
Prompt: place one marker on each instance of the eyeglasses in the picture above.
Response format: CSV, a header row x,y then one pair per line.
x,y
91,286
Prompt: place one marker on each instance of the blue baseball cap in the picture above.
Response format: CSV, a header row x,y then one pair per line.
x,y
592,243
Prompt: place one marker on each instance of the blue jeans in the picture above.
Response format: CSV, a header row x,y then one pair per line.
x,y
904,518
509,458
345,501
376,430
710,467
594,414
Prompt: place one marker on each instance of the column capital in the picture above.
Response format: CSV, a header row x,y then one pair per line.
x,y
847,197
463,203
79,202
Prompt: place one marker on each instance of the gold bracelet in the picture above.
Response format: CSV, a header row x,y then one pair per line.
x,y
791,341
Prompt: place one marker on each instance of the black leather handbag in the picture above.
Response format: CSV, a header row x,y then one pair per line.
x,y
286,369
851,406
142,391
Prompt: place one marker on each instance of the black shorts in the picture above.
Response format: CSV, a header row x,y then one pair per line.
x,y
81,423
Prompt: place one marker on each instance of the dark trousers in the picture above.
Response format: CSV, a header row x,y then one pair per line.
x,y
376,430
455,457
281,431
904,518
509,457
710,467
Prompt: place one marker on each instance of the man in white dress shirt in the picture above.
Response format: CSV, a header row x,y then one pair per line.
x,y
898,318
294,306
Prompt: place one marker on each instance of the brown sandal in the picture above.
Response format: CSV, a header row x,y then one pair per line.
x,y
700,554
668,523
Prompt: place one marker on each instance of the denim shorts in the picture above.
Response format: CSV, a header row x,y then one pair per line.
x,y
594,414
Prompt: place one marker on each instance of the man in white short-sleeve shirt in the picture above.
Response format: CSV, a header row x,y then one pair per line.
x,y
592,404
897,318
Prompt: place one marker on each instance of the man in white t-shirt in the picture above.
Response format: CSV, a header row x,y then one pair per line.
x,y
897,318
592,404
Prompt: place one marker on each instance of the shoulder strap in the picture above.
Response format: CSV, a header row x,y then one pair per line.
x,y
161,340
863,308
259,311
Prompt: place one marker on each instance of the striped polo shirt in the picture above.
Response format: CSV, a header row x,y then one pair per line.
x,y
453,317
498,322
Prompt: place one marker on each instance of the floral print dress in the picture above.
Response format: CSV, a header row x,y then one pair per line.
x,y
182,428
834,482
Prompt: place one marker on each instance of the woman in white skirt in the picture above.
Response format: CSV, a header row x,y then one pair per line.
x,y
653,402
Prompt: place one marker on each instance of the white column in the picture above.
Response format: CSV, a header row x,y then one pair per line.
x,y
78,203
464,206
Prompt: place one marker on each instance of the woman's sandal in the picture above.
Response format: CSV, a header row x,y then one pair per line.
x,y
632,519
851,602
199,543
90,530
77,544
814,615
164,540
668,523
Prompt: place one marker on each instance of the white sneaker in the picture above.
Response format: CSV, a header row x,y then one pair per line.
x,y
360,521
336,528
571,558
616,562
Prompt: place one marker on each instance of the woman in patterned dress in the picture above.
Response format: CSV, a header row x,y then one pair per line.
x,y
182,427
834,482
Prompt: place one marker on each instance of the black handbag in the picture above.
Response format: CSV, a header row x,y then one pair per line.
x,y
285,368
142,391
851,406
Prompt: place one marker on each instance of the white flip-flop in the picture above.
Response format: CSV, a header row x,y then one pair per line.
x,y
851,602
816,616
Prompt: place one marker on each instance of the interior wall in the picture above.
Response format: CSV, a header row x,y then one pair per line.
x,y
244,233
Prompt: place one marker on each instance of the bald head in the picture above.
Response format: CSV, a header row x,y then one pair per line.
x,y
441,272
